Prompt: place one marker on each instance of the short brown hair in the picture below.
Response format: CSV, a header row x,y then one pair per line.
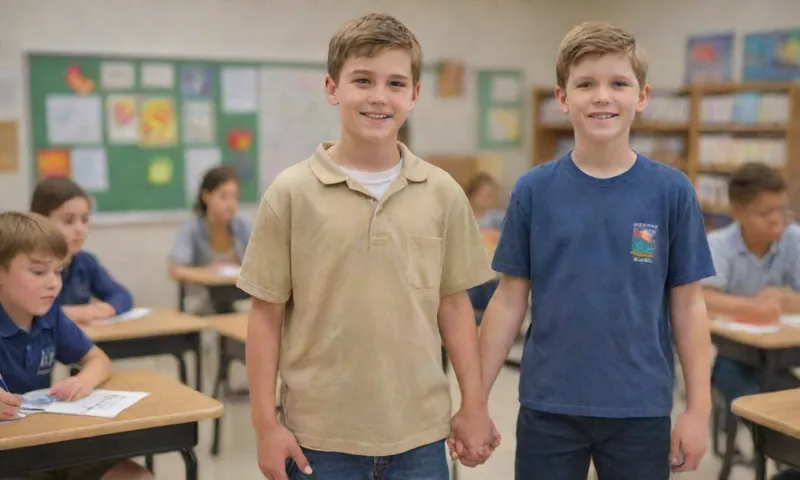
x,y
53,192
752,179
595,39
29,233
212,179
369,35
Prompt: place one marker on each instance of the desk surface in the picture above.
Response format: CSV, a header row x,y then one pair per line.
x,y
169,403
158,323
786,337
233,325
208,277
779,411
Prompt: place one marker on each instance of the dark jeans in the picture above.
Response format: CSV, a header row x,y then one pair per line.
x,y
428,462
559,447
734,379
480,295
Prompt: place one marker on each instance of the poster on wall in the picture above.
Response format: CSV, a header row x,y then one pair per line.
x,y
709,59
772,56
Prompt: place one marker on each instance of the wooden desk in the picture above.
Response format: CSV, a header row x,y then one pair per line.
x,y
162,332
775,419
232,328
221,288
164,421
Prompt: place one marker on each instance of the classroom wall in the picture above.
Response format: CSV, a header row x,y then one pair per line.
x,y
663,27
483,33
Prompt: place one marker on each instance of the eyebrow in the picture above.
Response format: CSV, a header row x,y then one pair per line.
x,y
368,72
614,77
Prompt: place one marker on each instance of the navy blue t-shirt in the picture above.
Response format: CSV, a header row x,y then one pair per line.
x,y
602,255
85,278
27,358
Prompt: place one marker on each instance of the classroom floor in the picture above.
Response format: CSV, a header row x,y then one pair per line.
x,y
237,457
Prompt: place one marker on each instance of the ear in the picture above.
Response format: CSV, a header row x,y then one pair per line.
x,y
415,95
644,98
330,90
561,98
204,196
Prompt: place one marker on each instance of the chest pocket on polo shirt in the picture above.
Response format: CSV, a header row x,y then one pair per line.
x,y
424,268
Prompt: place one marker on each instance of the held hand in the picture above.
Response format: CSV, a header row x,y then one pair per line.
x,y
473,436
273,450
102,311
9,405
71,389
688,442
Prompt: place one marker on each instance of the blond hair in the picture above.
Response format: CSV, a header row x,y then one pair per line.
x,y
29,233
368,36
595,39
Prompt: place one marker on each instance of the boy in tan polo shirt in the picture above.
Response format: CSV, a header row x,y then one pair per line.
x,y
358,265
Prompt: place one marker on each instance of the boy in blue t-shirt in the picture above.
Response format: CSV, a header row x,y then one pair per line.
x,y
611,246
35,333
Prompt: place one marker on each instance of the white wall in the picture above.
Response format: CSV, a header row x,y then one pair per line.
x,y
662,27
483,33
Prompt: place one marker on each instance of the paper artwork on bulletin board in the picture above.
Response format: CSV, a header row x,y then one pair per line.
x,y
772,56
159,170
504,125
122,119
9,150
158,75
239,86
197,162
506,89
158,125
73,120
709,59
52,162
117,75
500,108
197,81
198,122
451,79
77,81
89,169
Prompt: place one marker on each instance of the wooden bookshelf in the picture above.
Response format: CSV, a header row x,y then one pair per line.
x,y
708,132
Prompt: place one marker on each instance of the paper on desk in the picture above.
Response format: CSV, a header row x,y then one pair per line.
x,y
790,320
133,314
746,327
100,403
229,270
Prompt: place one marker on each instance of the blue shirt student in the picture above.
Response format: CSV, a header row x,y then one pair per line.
x,y
85,278
192,246
601,255
27,358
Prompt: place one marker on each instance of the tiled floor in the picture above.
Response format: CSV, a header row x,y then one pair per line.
x,y
238,449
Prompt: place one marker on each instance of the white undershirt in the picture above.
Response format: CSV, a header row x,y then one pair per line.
x,y
375,182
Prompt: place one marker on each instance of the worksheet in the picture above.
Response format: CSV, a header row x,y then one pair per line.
x,y
100,403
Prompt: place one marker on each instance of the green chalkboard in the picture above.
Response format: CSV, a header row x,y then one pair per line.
x,y
138,133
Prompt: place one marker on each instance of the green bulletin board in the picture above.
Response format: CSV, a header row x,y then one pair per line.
x,y
138,134
500,108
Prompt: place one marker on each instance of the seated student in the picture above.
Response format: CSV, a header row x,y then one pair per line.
x,y
35,332
482,194
757,259
217,237
84,278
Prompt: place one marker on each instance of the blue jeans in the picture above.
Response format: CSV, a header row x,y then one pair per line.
x,y
428,462
481,294
734,379
559,447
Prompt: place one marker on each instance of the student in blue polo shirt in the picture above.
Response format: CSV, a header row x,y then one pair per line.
x,y
84,278
35,333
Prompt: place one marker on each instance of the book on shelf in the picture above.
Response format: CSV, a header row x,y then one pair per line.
x,y
728,152
667,109
745,108
666,149
712,190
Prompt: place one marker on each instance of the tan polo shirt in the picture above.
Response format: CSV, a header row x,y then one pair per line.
x,y
362,279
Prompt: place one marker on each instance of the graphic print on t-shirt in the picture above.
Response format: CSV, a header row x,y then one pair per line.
x,y
643,247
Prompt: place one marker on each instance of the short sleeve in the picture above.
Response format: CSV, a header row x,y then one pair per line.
x,y
793,273
513,254
182,251
466,261
73,344
720,255
690,257
266,266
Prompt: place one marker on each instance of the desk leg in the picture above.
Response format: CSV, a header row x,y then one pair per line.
x,y
190,460
148,463
219,383
758,453
182,369
198,362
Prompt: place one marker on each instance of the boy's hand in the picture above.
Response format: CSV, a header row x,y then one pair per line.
x,y
689,441
274,448
102,311
473,436
9,405
71,389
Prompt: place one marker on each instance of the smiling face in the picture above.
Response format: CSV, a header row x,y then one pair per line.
x,y
601,95
375,95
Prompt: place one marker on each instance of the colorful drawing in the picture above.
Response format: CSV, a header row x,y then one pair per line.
x,y
158,126
52,163
709,59
451,79
644,241
159,172
123,119
772,56
77,82
240,140
197,81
